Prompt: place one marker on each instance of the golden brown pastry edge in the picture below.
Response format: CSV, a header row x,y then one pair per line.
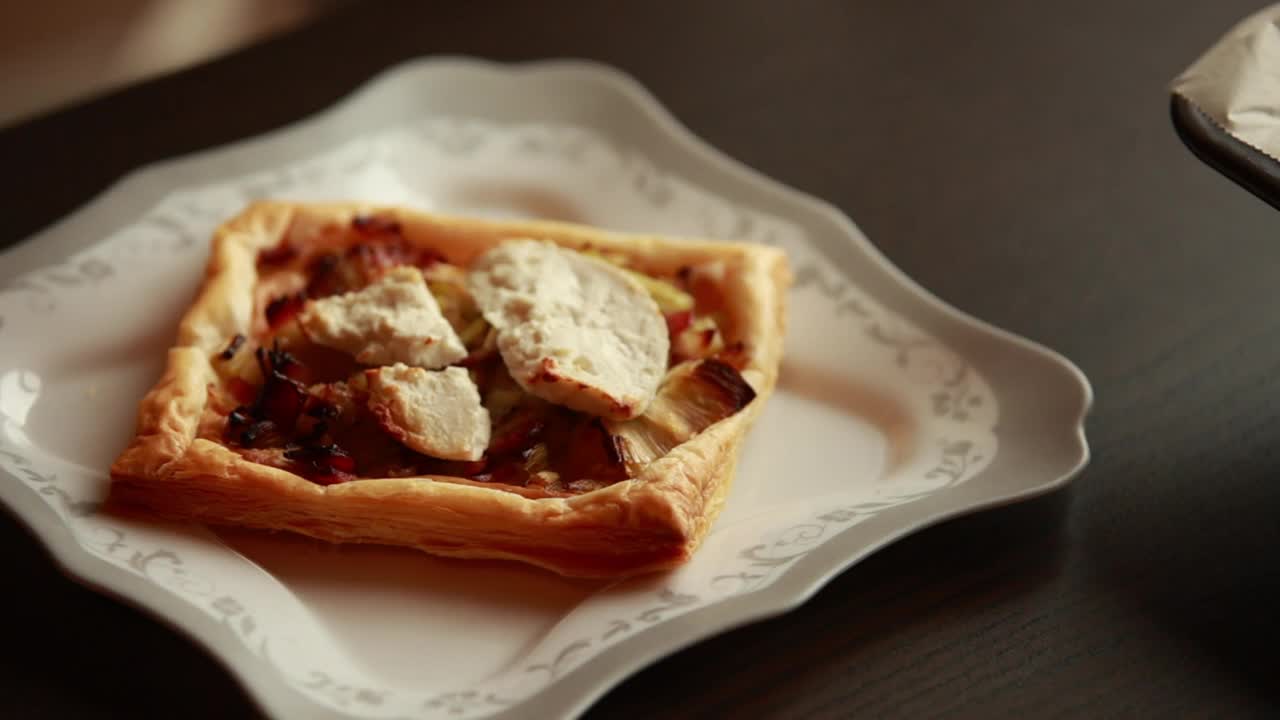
x,y
651,522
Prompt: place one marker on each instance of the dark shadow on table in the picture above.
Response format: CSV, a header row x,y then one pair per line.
x,y
1205,572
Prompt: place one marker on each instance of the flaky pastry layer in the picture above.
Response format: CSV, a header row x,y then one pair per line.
x,y
653,521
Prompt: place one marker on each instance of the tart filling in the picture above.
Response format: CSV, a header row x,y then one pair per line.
x,y
536,368
523,390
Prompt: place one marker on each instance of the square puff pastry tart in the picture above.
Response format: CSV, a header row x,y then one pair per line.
x,y
312,382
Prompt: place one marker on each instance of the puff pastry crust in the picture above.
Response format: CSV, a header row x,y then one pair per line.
x,y
654,520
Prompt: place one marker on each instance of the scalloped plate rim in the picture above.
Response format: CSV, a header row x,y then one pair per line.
x,y
800,582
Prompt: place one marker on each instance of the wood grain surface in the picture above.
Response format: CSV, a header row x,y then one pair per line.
x,y
1015,157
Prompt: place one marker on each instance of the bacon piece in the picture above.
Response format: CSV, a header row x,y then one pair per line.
x,y
324,277
332,478
241,390
677,322
375,258
281,400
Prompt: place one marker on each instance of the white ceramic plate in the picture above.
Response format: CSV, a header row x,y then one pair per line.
x,y
893,412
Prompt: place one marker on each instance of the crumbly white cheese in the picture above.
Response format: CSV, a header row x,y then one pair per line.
x,y
572,330
437,413
395,319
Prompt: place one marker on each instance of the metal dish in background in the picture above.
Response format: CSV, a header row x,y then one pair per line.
x,y
1248,166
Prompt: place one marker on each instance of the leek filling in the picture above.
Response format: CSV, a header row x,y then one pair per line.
x,y
302,408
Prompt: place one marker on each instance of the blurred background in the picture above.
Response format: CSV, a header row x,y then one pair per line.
x,y
55,52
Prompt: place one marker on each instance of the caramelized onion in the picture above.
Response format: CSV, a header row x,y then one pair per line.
x,y
536,458
321,409
735,355
548,481
365,262
457,468
510,473
588,452
518,430
278,255
274,359
693,397
232,347
585,485
324,464
280,400
251,431
728,391
375,225
284,308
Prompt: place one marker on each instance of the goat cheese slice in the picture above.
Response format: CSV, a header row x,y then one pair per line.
x,y
573,330
435,412
394,320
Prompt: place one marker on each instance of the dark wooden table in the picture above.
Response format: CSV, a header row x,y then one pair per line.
x,y
1014,156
